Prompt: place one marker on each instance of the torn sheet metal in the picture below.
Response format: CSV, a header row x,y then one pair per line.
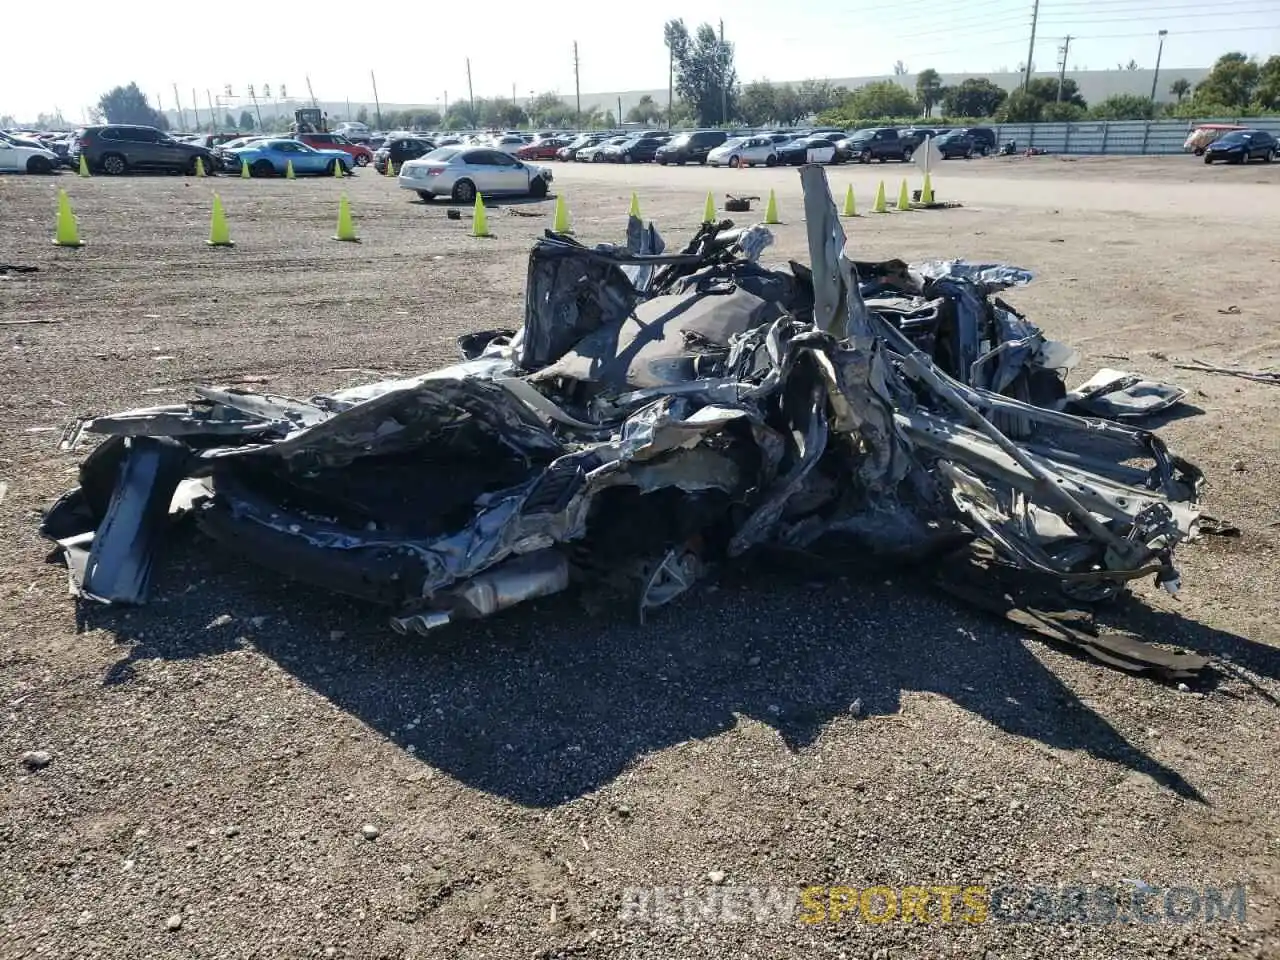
x,y
656,414
1120,395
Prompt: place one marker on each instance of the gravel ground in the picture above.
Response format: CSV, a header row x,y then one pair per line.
x,y
249,768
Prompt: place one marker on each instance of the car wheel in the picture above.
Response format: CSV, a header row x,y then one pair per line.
x,y
262,168
331,167
982,151
771,161
362,161
735,162
1244,157
906,156
627,158
39,165
1269,155
538,187
424,196
865,156
464,191
1208,159
113,164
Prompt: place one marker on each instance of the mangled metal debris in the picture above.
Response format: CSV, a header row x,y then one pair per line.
x,y
656,413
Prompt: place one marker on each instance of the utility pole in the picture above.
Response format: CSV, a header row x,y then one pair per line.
x,y
577,86
1062,67
471,94
213,116
256,109
619,111
724,79
671,82
177,102
195,105
1031,50
377,104
1155,77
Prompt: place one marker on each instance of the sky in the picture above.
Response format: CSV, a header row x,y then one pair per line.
x,y
530,45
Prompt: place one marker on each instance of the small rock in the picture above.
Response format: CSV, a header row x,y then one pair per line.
x,y
174,922
231,832
775,709
753,661
717,877
258,622
1183,688
336,635
330,951
36,759
219,621
623,810
191,845
855,708
1152,732
1238,466
369,831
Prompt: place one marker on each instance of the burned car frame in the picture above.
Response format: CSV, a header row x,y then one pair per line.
x,y
655,414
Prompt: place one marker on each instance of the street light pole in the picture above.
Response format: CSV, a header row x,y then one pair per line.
x,y
1155,78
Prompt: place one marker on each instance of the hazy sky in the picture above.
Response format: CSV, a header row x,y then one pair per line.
x,y
65,57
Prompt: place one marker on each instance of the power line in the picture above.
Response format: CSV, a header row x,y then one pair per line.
x,y
1163,17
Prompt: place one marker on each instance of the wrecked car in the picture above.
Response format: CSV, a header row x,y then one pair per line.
x,y
656,414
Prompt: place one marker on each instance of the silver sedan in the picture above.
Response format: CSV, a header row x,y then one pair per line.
x,y
463,171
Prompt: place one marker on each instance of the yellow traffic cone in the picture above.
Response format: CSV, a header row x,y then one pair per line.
x,y
850,205
66,230
391,168
904,197
244,170
926,194
479,221
219,232
709,210
84,166
561,224
635,207
199,166
338,170
288,171
346,229
771,210
881,206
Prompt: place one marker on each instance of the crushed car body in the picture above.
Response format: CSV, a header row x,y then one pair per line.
x,y
655,415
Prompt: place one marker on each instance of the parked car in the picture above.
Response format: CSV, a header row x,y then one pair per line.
x,y
1205,134
544,149
509,143
745,151
955,144
914,136
118,148
569,152
211,141
399,150
1241,146
875,143
225,154
22,156
595,154
983,138
361,155
690,147
459,172
268,157
353,130
804,150
633,150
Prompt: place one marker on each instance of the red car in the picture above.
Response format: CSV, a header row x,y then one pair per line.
x,y
541,149
361,154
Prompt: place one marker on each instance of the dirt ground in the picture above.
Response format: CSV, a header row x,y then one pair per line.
x,y
216,754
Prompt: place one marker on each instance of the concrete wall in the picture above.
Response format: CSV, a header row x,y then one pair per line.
x,y
1122,137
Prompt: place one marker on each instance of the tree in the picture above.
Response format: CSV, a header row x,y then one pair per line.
x,y
1021,106
975,97
1131,65
609,121
561,115
246,120
1123,106
461,117
1062,113
1045,89
501,112
900,69
789,105
645,111
880,99
928,90
425,120
1180,88
757,104
362,115
819,95
544,103
230,122
705,75
1230,83
129,105
1267,96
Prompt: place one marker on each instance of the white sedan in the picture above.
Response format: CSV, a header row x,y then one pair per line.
x,y
24,156
595,154
745,152
463,171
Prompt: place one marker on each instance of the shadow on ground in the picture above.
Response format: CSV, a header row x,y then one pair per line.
x,y
554,700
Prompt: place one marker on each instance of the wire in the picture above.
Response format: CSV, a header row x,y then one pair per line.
x,y
1162,18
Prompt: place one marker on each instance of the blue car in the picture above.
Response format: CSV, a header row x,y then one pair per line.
x,y
267,158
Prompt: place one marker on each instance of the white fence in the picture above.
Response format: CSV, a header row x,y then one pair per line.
x,y
1117,136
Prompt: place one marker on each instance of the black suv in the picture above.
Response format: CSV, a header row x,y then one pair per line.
x,y
875,143
400,149
690,147
116,148
983,139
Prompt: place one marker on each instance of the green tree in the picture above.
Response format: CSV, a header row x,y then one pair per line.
x,y
789,105
928,90
129,105
1230,83
975,97
1021,106
1180,88
819,95
1267,95
230,122
461,116
543,104
7,120
246,120
1045,89
562,115
425,120
757,103
1062,113
501,112
645,111
705,74
362,115
880,98
1123,106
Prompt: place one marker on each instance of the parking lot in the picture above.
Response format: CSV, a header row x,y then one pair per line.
x,y
217,753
